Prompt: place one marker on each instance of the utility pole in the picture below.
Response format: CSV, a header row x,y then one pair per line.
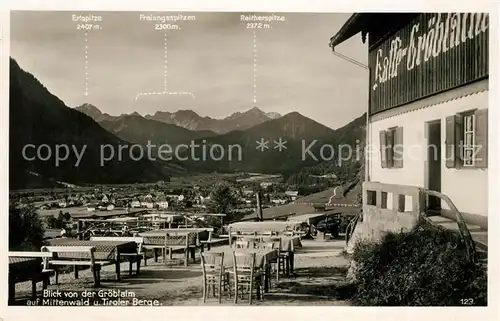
x,y
259,207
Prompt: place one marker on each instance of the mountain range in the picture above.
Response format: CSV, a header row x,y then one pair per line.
x,y
139,130
189,119
38,117
302,141
295,130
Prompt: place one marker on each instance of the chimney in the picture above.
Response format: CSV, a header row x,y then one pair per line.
x,y
259,207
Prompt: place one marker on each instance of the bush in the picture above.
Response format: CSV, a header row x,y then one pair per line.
x,y
424,267
26,230
51,221
66,217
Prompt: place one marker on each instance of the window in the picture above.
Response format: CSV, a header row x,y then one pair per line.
x,y
467,140
391,147
467,152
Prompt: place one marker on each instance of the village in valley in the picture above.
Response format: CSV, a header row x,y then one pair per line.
x,y
60,209
151,200
156,196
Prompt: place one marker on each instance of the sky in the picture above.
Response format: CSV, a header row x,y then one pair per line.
x,y
211,57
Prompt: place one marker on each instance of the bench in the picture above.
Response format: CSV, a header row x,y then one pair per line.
x,y
43,275
133,257
83,256
209,240
204,241
171,241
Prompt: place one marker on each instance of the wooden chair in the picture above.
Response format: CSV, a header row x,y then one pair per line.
x,y
284,262
278,264
208,241
253,241
284,256
246,277
267,245
214,275
241,244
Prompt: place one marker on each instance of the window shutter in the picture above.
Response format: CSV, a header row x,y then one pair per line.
x,y
459,140
450,141
383,148
481,139
398,147
390,148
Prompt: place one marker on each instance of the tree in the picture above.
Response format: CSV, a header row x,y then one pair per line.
x,y
51,221
26,230
67,217
188,193
59,220
223,198
359,199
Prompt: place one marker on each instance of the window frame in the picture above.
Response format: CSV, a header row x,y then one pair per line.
x,y
464,147
389,147
457,130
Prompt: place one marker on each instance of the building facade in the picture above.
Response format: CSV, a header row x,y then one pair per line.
x,y
427,122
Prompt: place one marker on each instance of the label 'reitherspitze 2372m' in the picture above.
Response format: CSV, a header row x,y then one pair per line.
x,y
266,18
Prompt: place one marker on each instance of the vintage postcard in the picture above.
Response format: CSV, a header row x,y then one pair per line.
x,y
233,157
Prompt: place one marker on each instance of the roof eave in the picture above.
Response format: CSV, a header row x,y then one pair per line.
x,y
351,27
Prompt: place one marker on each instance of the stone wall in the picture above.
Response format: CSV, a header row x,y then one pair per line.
x,y
387,208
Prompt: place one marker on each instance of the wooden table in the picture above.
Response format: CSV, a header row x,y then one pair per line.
x,y
104,250
169,239
263,259
288,245
23,269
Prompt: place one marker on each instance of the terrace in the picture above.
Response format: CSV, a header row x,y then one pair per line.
x,y
174,267
319,279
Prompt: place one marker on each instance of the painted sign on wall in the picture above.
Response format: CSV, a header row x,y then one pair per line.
x,y
433,53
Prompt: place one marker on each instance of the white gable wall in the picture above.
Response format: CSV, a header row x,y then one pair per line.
x,y
467,188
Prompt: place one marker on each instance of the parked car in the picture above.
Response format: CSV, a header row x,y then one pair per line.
x,y
330,225
305,230
335,224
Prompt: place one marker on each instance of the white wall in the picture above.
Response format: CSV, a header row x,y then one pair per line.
x,y
467,188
